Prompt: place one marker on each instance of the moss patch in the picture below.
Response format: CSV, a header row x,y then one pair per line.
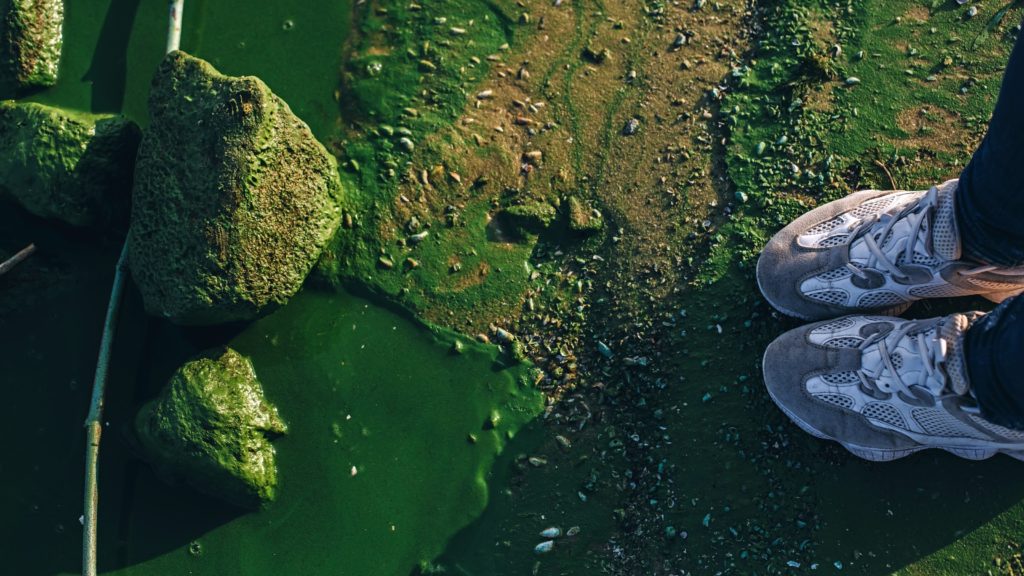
x,y
31,40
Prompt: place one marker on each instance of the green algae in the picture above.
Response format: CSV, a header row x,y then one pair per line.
x,y
31,40
375,473
387,94
71,166
211,427
233,198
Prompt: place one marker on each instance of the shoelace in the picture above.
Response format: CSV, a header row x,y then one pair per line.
x,y
916,214
932,351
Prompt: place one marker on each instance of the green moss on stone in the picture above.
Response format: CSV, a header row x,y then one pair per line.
x,y
534,217
583,218
72,166
32,39
234,198
210,427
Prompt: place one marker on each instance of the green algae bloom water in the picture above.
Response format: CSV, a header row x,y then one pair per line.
x,y
377,470
392,436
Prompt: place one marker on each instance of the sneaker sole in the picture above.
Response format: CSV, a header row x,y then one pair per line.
x,y
883,455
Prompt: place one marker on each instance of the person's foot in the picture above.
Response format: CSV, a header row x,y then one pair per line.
x,y
875,252
884,387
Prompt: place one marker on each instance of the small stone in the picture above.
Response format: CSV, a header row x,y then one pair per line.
x,y
211,427
385,263
552,532
852,80
544,547
631,127
533,157
406,144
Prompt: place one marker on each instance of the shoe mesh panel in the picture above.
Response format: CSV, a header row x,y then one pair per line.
x,y
841,400
941,423
879,298
837,274
840,378
922,260
1008,433
944,236
835,325
823,227
829,296
844,342
872,206
833,241
884,412
939,291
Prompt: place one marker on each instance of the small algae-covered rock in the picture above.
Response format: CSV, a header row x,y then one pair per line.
x,y
73,166
233,198
582,218
31,41
211,428
532,217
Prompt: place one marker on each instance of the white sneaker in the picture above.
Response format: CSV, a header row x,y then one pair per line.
x,y
884,387
876,252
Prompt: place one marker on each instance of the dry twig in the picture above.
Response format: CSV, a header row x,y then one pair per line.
x,y
13,261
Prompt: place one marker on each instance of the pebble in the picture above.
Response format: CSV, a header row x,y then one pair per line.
x,y
604,350
406,144
972,11
544,547
552,532
631,127
852,80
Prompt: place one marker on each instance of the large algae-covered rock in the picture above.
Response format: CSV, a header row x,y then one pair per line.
x,y
233,200
210,427
31,41
73,166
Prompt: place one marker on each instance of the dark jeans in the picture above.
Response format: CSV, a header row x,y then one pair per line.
x,y
990,215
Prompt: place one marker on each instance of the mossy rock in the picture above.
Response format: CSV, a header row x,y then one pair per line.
x,y
72,166
532,217
211,428
582,218
31,40
233,201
